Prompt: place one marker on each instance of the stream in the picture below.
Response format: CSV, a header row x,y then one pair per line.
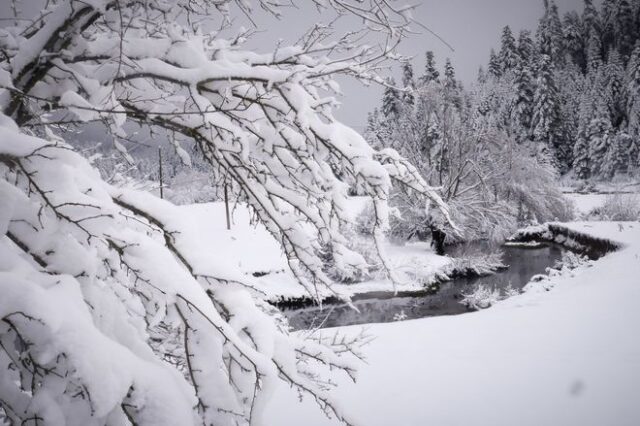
x,y
523,263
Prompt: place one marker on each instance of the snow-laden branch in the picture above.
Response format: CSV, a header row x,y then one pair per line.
x,y
108,313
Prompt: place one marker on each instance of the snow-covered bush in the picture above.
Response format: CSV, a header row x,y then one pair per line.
x,y
481,297
109,311
618,207
477,261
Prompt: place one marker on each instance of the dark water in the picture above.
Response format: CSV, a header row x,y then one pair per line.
x,y
523,264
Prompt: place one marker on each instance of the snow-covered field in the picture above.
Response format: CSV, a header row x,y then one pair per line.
x,y
567,356
586,203
249,249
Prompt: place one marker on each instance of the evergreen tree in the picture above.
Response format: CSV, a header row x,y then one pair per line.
x,y
409,85
614,75
546,111
617,158
482,75
450,85
526,49
594,53
572,39
508,52
625,33
599,135
523,104
632,89
581,161
391,104
430,71
495,67
608,23
549,33
590,21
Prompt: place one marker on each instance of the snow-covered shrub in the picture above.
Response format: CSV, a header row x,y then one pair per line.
x,y
481,297
399,316
571,260
510,291
478,261
618,207
110,311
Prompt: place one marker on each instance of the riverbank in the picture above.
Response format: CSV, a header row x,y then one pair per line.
x,y
565,355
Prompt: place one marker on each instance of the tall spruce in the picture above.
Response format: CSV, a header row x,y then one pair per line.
x,y
632,89
431,73
495,67
409,85
508,51
549,33
574,44
546,111
391,102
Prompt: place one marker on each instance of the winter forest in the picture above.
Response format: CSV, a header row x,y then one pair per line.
x,y
190,235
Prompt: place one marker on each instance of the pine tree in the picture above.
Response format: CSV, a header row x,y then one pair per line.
x,y
391,104
590,21
549,33
409,85
614,74
617,158
573,42
523,104
508,52
450,85
526,48
608,23
624,29
632,89
546,111
594,52
599,135
495,67
431,73
581,161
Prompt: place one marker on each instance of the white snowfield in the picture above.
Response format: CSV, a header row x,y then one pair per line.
x,y
567,356
250,253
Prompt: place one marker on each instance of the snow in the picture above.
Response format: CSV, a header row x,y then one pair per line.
x,y
249,253
567,356
585,203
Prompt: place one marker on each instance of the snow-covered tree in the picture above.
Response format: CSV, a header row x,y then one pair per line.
x,y
546,122
549,33
431,73
391,101
110,312
632,90
508,55
409,84
495,67
521,114
599,135
572,39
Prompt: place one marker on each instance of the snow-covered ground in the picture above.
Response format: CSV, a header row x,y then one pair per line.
x,y
586,203
567,356
249,249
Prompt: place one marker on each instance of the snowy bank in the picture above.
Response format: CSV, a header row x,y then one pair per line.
x,y
567,356
249,252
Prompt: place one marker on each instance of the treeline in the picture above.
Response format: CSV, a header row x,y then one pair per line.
x,y
570,92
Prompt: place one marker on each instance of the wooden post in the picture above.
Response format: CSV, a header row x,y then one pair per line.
x,y
226,205
160,169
